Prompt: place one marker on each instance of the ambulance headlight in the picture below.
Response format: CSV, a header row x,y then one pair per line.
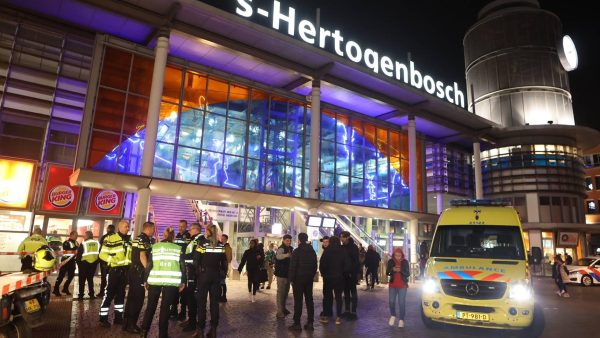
x,y
520,291
430,286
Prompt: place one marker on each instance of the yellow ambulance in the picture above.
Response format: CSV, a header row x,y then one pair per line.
x,y
477,273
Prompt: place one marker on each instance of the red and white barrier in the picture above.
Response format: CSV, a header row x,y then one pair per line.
x,y
18,280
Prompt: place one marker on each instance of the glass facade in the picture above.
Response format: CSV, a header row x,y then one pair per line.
x,y
448,170
218,132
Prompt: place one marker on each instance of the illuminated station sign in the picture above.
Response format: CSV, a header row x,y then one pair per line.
x,y
324,38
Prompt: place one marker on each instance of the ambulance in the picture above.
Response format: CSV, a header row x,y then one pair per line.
x,y
477,272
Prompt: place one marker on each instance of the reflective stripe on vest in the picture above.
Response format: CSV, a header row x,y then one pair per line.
x,y
115,252
90,250
165,265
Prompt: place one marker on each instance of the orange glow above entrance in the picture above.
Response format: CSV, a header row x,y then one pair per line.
x,y
15,183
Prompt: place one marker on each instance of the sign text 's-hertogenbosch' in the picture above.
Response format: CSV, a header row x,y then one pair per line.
x,y
307,31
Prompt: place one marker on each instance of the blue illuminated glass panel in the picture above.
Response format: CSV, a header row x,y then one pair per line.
x,y
188,164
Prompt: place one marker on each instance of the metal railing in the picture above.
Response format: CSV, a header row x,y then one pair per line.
x,y
358,233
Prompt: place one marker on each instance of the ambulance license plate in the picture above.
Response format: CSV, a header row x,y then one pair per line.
x,y
32,305
473,316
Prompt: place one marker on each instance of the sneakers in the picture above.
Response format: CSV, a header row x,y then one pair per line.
x,y
559,293
566,295
324,320
400,323
392,321
253,298
295,327
338,320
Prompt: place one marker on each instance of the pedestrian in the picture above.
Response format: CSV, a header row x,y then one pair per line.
x,y
182,239
282,268
568,259
114,252
252,260
29,246
361,261
424,255
140,257
303,267
372,260
68,264
164,279
210,262
350,276
196,237
324,245
560,273
263,276
110,229
398,272
270,263
229,256
331,266
87,261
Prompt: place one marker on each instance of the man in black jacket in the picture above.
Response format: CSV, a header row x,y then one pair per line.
x,y
68,268
303,267
372,259
350,276
282,268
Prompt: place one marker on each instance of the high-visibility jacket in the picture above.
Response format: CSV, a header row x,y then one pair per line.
x,y
115,250
31,244
44,259
166,269
91,250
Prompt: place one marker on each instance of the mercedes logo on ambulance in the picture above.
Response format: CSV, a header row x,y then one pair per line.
x,y
472,289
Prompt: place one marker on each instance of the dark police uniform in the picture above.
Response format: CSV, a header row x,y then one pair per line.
x,y
67,269
137,292
211,266
190,290
181,239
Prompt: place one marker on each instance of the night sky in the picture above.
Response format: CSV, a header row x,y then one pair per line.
x,y
432,31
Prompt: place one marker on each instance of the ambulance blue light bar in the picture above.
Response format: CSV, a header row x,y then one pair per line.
x,y
502,202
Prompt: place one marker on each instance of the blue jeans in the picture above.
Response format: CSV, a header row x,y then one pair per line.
x,y
398,296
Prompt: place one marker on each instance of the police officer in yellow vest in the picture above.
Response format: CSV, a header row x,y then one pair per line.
x,y
114,252
166,276
44,259
87,261
29,246
211,267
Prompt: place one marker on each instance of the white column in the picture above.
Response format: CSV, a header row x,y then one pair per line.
x,y
440,202
315,140
256,221
412,163
477,169
161,52
413,230
292,222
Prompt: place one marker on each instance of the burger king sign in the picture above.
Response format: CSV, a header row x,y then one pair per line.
x,y
105,202
59,195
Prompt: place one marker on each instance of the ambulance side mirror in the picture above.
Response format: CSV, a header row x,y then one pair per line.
x,y
536,253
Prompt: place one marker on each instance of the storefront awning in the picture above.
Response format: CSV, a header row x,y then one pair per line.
x,y
132,183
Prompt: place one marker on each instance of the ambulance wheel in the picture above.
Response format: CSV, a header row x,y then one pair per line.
x,y
586,280
429,323
18,328
537,325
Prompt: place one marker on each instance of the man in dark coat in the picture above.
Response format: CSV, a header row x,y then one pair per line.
x,y
303,267
372,259
350,276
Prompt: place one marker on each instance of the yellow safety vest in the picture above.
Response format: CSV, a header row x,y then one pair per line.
x,y
91,250
31,244
166,269
115,251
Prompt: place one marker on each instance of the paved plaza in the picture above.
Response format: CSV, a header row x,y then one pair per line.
x,y
573,317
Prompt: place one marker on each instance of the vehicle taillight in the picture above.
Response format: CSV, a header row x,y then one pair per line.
x,y
6,302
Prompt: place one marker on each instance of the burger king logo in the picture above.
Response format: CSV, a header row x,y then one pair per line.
x,y
107,200
61,196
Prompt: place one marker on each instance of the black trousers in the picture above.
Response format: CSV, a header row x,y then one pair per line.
x,y
115,290
331,287
192,302
135,296
372,277
103,273
26,263
350,295
169,295
68,270
87,271
303,289
253,283
180,299
209,285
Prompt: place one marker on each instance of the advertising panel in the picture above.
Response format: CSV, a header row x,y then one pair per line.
x,y
15,183
568,238
59,195
105,202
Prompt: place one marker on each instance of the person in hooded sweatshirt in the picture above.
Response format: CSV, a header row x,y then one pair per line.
x,y
398,272
331,267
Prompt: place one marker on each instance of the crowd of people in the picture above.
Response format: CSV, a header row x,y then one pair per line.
x,y
185,270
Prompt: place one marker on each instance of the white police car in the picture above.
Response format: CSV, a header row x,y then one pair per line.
x,y
585,271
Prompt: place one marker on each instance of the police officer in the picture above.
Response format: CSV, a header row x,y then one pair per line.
x,y
44,259
87,260
166,277
67,268
211,266
29,246
54,241
190,290
140,255
114,252
182,239
110,229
